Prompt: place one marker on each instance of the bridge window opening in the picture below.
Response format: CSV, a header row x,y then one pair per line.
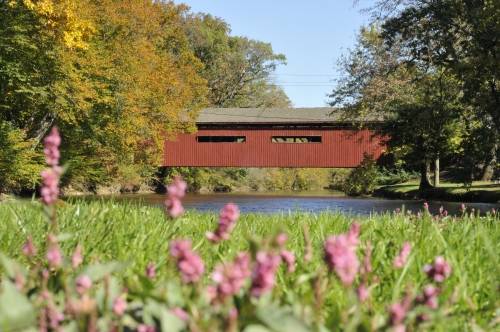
x,y
221,139
296,139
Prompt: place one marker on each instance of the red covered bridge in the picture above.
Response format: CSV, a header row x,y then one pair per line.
x,y
292,137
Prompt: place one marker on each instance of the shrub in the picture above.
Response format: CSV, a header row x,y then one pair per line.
x,y
20,162
338,178
363,179
388,177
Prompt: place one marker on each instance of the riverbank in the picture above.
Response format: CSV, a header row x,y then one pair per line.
x,y
484,192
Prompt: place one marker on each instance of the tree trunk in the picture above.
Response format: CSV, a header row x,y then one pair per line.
x,y
424,176
436,172
489,167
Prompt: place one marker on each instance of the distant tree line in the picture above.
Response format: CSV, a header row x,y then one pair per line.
x,y
431,68
116,77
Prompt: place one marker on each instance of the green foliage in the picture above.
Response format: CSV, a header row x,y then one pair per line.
x,y
20,162
363,179
252,179
338,178
117,78
454,36
395,176
237,69
422,106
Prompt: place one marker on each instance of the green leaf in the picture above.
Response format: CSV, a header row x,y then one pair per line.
x,y
11,267
113,291
16,311
281,319
99,271
64,237
71,327
168,321
256,328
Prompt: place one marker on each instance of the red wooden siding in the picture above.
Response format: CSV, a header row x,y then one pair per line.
x,y
338,148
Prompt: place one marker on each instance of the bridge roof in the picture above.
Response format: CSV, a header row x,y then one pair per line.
x,y
317,115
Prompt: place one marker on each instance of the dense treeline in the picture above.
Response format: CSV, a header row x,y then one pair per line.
x,y
116,77
431,67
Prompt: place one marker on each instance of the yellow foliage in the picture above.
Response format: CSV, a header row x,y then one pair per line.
x,y
64,18
137,78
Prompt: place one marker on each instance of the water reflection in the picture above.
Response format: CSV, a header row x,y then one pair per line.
x,y
262,203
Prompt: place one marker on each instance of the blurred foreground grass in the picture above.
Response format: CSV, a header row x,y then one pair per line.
x,y
139,234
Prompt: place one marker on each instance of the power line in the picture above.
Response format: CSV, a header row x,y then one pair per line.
x,y
304,75
303,82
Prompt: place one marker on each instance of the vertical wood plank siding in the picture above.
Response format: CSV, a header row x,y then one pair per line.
x,y
338,148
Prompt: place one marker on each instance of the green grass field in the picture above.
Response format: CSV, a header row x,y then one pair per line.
x,y
141,234
477,192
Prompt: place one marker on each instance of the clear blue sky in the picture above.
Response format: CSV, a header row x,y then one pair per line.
x,y
312,34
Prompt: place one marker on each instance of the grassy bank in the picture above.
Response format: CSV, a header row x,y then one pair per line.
x,y
139,235
486,192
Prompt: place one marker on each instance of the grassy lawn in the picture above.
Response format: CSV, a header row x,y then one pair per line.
x,y
478,192
139,235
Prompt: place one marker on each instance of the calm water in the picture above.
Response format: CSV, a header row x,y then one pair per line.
x,y
266,203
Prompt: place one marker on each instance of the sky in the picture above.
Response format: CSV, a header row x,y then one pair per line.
x,y
312,34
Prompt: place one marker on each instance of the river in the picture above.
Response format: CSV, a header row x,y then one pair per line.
x,y
285,203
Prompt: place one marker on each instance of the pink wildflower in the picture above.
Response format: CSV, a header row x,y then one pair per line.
x,y
145,328
175,191
50,185
77,257
233,319
340,254
19,281
230,278
281,239
429,297
227,220
29,249
438,271
51,147
177,188
50,177
191,267
289,258
83,284
151,271
463,208
174,207
400,260
362,292
180,313
54,256
55,317
189,264
179,247
120,305
398,313
263,275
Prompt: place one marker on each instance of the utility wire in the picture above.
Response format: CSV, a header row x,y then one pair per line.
x,y
304,75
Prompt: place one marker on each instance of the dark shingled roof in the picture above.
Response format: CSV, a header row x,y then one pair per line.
x,y
277,116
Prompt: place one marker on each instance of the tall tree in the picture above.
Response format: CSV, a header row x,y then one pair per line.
x,y
421,107
237,69
115,77
462,36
